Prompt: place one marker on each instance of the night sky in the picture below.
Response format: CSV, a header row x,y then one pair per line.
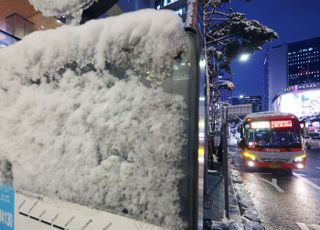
x,y
293,20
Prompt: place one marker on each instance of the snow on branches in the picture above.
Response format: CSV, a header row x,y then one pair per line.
x,y
231,33
62,8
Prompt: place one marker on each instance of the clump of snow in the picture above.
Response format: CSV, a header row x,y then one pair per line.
x,y
243,214
249,213
5,171
62,8
80,122
232,140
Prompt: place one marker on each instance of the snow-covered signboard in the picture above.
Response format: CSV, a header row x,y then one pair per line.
x,y
91,115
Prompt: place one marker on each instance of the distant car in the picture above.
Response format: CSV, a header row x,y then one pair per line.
x,y
313,140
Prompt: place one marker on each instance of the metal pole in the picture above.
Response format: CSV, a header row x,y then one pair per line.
x,y
225,160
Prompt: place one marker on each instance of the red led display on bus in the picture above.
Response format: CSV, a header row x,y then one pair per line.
x,y
281,124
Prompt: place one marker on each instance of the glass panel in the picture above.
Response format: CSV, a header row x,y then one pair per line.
x,y
184,82
7,39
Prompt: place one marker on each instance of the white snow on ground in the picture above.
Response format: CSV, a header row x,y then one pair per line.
x,y
232,140
59,8
248,218
246,205
78,121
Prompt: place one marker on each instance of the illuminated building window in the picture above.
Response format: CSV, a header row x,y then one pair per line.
x,y
168,2
181,11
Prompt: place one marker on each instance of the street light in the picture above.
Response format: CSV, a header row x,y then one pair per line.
x,y
244,57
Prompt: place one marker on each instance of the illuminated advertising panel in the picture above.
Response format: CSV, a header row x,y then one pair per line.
x,y
300,103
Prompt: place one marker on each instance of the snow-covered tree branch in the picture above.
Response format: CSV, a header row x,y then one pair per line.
x,y
237,33
71,9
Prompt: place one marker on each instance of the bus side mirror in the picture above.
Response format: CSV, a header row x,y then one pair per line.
x,y
240,130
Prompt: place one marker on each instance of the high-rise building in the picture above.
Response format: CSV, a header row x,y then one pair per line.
x,y
304,62
179,6
275,73
290,64
255,101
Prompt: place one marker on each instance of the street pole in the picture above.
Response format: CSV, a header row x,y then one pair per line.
x,y
225,159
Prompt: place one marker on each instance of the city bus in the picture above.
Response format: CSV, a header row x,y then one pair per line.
x,y
272,140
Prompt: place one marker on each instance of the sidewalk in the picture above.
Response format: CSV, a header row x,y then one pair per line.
x,y
242,213
214,200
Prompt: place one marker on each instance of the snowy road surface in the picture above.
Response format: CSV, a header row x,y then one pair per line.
x,y
284,200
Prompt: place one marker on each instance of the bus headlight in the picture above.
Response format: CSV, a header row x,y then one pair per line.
x,y
250,156
300,166
251,163
300,158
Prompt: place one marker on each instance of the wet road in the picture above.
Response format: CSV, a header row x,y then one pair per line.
x,y
285,201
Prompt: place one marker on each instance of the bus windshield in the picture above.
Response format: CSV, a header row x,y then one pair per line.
x,y
274,138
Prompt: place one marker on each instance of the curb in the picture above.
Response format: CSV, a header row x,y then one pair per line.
x,y
242,212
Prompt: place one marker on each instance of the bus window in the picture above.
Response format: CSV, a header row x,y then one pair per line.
x,y
274,138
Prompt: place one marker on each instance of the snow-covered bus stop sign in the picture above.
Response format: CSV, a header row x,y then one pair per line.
x,y
6,207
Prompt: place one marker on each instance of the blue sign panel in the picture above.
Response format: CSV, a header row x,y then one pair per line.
x,y
6,207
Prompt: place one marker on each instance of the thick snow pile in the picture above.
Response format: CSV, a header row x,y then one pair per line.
x,y
59,8
232,140
81,122
249,213
247,218
246,206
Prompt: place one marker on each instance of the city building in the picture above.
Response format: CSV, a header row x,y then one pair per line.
x,y
255,101
303,62
302,100
179,6
275,73
291,64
